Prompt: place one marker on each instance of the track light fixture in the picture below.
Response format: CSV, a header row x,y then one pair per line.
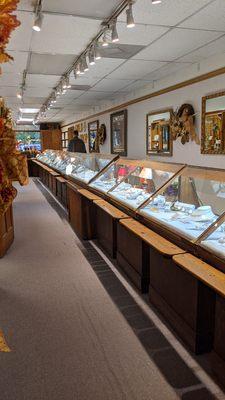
x,y
130,17
82,68
97,52
91,56
156,1
114,36
85,65
78,69
105,40
19,95
38,17
38,22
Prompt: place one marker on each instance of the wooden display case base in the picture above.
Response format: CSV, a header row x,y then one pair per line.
x,y
186,303
107,219
82,212
218,354
133,258
6,231
61,191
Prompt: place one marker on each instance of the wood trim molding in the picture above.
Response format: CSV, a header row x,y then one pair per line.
x,y
172,88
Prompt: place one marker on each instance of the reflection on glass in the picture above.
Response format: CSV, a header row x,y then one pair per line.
x,y
139,185
78,165
215,242
112,176
189,205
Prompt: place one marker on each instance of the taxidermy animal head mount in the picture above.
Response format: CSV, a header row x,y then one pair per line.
x,y
183,124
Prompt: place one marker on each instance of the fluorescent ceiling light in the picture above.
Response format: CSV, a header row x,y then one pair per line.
x,y
29,110
26,119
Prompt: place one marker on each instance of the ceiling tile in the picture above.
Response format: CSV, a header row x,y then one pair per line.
x,y
26,5
64,34
103,67
112,85
21,36
49,64
176,43
7,91
135,69
16,66
42,80
40,91
98,8
216,47
10,79
141,35
211,17
169,12
167,70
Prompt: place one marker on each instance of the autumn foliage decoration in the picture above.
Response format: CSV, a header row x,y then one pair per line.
x,y
13,164
8,23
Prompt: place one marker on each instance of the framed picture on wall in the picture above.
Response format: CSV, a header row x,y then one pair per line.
x,y
213,124
92,136
118,124
159,138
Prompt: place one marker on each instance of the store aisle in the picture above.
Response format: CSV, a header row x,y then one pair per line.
x,y
68,339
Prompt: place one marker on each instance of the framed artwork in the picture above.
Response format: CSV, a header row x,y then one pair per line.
x,y
118,124
213,124
159,138
92,136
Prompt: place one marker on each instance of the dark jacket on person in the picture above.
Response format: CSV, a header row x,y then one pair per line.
x,y
76,145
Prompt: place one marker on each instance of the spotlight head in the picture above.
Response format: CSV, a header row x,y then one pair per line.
x,y
156,1
105,40
38,22
130,17
19,95
115,37
91,57
97,53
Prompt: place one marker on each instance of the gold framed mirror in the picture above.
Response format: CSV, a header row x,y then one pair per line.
x,y
213,124
159,138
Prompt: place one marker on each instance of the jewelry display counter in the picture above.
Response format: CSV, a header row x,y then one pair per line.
x,y
187,206
130,183
106,221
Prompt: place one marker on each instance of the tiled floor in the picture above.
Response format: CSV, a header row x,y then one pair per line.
x,y
175,369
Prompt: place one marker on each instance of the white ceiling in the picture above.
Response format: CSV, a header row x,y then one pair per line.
x,y
168,37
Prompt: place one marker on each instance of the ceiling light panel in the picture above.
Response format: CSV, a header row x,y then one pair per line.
x,y
121,51
176,43
21,37
170,12
98,8
210,17
50,64
59,34
29,110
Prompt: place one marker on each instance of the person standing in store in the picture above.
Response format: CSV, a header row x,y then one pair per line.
x,y
76,145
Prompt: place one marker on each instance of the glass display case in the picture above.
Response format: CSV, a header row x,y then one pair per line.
x,y
113,175
81,166
132,182
214,240
190,203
